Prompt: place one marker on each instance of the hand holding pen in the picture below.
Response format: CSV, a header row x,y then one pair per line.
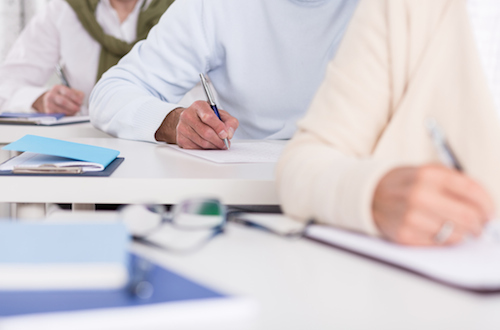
x,y
211,102
431,204
198,127
60,98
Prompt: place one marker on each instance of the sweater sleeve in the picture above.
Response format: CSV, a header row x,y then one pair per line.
x,y
326,172
31,61
133,98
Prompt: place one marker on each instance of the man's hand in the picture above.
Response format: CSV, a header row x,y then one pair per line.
x,y
60,99
412,204
197,127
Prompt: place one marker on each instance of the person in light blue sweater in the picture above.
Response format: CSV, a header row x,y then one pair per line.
x,y
265,59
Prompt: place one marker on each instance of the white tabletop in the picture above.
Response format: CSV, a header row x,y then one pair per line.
x,y
10,133
300,284
150,173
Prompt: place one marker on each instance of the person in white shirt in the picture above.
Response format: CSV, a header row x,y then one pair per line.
x,y
85,37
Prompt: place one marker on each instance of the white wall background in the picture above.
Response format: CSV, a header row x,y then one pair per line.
x,y
14,15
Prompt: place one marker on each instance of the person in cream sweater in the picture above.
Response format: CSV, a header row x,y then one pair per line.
x,y
362,158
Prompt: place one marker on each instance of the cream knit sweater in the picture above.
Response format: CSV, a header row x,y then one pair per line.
x,y
401,62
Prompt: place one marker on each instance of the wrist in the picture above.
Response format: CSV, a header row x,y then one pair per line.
x,y
38,104
167,132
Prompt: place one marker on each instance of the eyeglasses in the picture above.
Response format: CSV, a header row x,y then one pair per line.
x,y
202,214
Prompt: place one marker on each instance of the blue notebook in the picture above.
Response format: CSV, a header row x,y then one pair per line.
x,y
42,119
48,255
31,115
46,156
176,301
61,148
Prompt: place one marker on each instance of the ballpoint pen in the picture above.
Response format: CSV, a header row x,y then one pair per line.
x,y
442,147
211,101
62,76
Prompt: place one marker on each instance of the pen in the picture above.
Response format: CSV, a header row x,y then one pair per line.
x,y
442,147
211,101
60,74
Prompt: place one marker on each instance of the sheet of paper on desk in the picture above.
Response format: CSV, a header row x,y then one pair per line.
x,y
240,152
473,265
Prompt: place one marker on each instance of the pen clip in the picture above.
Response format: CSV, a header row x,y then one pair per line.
x,y
207,89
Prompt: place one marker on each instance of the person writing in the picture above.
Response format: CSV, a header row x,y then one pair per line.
x,y
362,158
265,59
84,37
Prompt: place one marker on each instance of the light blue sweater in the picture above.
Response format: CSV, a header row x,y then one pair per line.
x,y
265,58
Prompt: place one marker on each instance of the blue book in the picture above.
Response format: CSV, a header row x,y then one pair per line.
x,y
63,255
176,302
31,115
43,119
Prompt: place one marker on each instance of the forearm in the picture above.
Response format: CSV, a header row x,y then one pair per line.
x,y
316,181
19,98
121,107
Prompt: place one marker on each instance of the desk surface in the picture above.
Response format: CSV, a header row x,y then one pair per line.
x,y
301,284
150,173
10,133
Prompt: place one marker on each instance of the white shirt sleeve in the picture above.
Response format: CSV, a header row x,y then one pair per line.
x,y
134,97
30,62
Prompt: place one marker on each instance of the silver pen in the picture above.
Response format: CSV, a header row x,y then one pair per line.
x,y
62,76
211,101
442,147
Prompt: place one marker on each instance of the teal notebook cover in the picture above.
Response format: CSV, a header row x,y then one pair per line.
x,y
54,147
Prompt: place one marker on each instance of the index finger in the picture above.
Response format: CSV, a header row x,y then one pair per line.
x,y
231,122
74,95
209,118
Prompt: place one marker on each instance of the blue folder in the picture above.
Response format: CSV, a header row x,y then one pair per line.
x,y
30,115
168,287
60,148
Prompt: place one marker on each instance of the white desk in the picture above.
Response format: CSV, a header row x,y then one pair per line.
x,y
150,173
301,285
10,133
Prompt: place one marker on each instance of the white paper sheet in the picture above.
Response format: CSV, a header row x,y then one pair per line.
x,y
240,152
68,120
472,265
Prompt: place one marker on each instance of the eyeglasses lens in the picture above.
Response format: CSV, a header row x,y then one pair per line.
x,y
142,219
